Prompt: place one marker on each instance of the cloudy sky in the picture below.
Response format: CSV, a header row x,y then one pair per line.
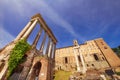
x,y
68,19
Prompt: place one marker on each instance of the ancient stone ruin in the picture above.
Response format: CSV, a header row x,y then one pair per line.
x,y
38,64
20,60
92,60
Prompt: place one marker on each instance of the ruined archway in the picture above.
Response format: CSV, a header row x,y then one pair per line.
x,y
35,71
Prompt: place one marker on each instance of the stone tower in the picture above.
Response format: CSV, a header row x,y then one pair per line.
x,y
112,59
39,64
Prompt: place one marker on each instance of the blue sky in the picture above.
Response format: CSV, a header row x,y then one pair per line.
x,y
68,19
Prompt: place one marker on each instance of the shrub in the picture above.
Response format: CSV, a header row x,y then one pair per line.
x,y
16,55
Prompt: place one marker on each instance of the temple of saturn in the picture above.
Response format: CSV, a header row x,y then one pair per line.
x,y
40,62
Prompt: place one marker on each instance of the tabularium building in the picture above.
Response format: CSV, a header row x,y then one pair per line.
x,y
93,54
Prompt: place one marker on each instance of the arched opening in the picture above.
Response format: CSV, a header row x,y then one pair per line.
x,y
96,57
87,65
93,65
36,71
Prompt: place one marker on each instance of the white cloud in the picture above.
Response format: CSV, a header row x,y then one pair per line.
x,y
57,19
103,27
25,8
100,32
5,37
117,31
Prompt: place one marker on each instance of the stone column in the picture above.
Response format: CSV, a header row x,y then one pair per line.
x,y
27,33
43,43
50,48
76,58
48,44
23,31
54,48
53,61
54,54
37,38
83,63
51,51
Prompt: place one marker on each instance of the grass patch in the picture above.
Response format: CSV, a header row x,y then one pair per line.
x,y
62,75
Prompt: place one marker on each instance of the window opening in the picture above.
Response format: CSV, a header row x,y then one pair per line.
x,y
79,59
96,57
66,60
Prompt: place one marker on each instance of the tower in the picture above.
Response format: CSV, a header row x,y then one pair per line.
x,y
38,64
112,59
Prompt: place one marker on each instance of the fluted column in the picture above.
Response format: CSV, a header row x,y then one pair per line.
x,y
53,60
76,58
83,63
37,38
43,43
23,31
49,51
27,33
54,51
48,44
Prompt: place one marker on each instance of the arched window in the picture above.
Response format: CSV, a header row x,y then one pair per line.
x,y
87,65
96,57
66,60
93,65
105,47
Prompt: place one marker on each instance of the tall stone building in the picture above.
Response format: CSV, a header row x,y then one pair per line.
x,y
38,64
93,54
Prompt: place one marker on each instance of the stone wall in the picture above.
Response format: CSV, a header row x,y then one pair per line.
x,y
110,56
93,54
